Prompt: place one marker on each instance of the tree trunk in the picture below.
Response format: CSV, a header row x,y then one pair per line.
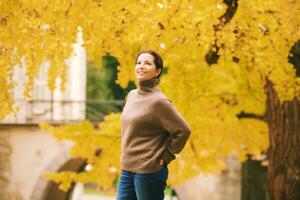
x,y
284,152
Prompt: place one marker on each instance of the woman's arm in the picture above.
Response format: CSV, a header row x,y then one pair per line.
x,y
173,122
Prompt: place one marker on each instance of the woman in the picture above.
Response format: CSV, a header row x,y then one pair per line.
x,y
152,133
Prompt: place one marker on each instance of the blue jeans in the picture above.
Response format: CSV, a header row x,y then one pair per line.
x,y
137,186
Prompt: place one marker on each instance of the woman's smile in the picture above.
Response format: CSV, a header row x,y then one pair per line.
x,y
145,67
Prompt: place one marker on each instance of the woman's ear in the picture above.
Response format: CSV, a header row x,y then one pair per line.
x,y
159,70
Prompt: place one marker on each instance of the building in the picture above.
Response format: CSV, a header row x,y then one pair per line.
x,y
26,152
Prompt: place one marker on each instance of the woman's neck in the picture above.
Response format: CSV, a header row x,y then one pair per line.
x,y
147,86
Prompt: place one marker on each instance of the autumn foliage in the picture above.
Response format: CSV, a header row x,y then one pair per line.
x,y
219,55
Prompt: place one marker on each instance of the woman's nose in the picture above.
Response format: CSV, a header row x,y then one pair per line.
x,y
141,66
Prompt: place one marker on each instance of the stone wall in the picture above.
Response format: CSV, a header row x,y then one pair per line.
x,y
26,152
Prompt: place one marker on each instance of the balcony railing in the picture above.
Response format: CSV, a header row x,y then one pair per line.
x,y
62,111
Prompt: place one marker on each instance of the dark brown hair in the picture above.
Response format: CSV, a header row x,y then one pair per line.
x,y
159,64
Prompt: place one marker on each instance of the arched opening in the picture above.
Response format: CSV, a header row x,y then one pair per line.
x,y
53,192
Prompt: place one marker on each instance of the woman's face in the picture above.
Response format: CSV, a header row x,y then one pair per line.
x,y
145,68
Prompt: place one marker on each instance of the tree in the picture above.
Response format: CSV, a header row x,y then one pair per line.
x,y
101,86
228,69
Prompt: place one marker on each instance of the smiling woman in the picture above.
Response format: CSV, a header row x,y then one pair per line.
x,y
152,133
148,64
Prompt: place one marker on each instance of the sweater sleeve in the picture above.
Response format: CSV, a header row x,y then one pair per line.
x,y
179,130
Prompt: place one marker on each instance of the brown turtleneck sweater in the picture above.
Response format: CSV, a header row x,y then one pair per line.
x,y
151,128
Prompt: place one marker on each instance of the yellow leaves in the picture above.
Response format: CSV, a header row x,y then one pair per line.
x,y
126,27
285,86
32,35
64,179
6,86
79,133
111,125
100,147
5,98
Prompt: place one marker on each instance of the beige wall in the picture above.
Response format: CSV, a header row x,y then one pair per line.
x,y
33,151
223,186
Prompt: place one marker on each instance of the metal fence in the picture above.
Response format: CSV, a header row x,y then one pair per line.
x,y
61,111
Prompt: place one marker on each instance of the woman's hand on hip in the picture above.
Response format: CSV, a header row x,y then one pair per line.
x,y
161,162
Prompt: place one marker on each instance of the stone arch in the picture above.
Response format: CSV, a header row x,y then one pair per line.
x,y
48,190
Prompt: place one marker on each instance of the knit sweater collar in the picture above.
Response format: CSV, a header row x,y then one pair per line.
x,y
147,86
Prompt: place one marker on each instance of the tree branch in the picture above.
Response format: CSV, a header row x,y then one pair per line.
x,y
212,56
244,115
